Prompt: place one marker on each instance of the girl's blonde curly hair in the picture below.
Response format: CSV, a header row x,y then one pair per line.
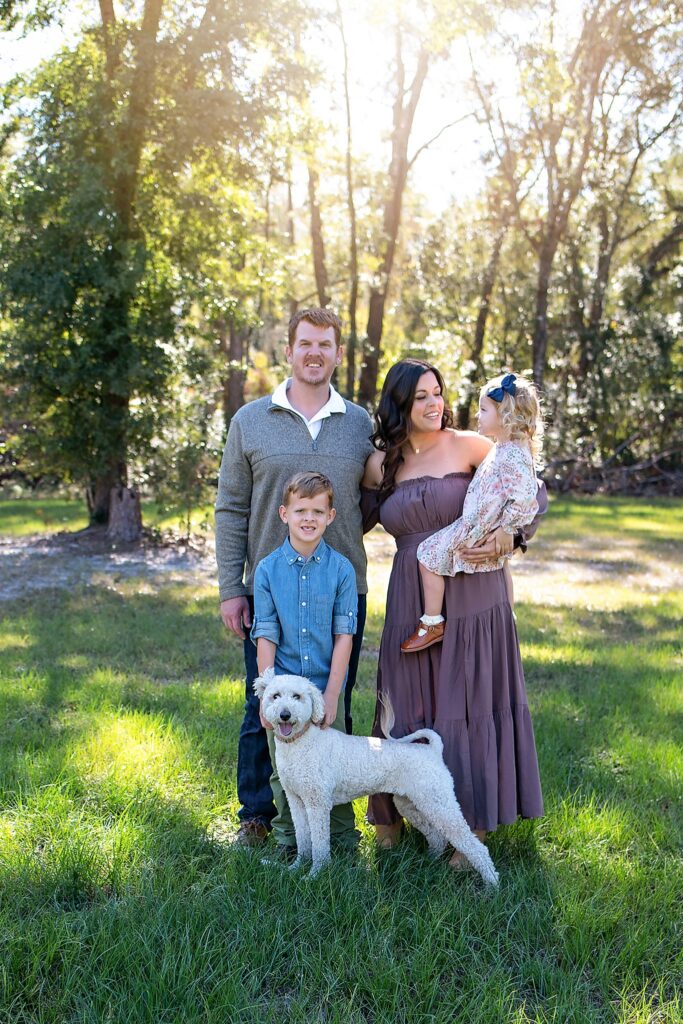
x,y
520,414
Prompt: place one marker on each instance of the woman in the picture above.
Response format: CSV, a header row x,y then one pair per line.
x,y
469,688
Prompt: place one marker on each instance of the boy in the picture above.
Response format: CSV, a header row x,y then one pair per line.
x,y
305,608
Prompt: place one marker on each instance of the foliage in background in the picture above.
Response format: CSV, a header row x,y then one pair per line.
x,y
150,254
122,228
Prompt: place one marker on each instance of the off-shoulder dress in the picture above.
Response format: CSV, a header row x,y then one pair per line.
x,y
470,688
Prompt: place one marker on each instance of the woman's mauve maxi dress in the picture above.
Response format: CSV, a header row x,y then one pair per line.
x,y
470,688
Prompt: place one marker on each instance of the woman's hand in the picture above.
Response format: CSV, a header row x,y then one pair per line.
x,y
503,541
493,545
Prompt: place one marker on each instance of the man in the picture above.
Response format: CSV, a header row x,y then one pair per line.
x,y
304,425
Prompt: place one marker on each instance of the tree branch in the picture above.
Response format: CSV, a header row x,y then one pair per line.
x,y
426,145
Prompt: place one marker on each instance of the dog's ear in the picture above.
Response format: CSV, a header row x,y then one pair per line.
x,y
262,681
317,705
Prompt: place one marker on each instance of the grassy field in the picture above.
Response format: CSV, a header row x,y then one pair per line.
x,y
121,899
21,517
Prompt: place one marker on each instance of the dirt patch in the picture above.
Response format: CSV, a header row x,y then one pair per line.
x,y
549,572
66,560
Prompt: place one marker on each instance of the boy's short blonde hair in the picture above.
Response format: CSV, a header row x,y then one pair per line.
x,y
520,414
308,485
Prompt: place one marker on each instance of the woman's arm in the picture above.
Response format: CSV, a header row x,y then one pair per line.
x,y
372,477
369,490
477,448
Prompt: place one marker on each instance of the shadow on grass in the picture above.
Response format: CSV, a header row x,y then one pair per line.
x,y
122,904
167,654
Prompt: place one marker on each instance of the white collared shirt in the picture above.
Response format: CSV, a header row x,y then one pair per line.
x,y
335,403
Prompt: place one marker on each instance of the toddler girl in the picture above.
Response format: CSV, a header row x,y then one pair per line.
x,y
501,497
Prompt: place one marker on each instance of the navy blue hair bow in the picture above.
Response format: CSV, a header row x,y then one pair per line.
x,y
507,387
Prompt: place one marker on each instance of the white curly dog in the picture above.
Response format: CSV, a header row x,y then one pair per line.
x,y
319,768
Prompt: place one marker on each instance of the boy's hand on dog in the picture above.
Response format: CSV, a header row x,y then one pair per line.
x,y
264,721
330,703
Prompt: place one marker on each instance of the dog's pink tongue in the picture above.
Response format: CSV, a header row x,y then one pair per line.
x,y
285,728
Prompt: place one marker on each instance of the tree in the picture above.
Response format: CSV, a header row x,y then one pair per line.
x,y
545,153
93,293
406,99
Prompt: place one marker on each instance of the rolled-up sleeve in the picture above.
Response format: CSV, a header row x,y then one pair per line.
x,y
266,622
345,612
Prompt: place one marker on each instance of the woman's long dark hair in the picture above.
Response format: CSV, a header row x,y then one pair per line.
x,y
393,415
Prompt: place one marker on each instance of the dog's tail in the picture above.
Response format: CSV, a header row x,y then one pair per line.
x,y
387,720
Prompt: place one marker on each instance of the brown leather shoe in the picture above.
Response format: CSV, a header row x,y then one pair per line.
x,y
251,833
415,642
388,836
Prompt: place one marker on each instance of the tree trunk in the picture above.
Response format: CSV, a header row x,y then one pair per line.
x,y
231,344
98,493
368,379
352,341
293,304
488,281
125,145
405,105
125,517
317,242
539,345
237,373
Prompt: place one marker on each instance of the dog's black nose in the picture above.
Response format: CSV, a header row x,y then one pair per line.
x,y
285,715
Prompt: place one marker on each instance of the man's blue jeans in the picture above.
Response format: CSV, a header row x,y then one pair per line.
x,y
253,760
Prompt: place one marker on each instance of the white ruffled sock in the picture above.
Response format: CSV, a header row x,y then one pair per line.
x,y
429,620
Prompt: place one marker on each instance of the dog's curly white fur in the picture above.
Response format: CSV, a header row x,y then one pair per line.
x,y
319,768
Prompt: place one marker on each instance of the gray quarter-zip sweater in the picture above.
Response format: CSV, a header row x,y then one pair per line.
x,y
267,445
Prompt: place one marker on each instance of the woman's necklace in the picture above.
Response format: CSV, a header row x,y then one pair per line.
x,y
420,448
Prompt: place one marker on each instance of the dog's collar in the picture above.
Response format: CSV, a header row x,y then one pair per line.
x,y
292,739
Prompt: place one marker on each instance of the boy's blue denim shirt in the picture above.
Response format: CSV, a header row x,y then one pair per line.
x,y
301,604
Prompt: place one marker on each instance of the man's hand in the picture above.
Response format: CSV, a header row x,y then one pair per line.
x,y
492,546
235,613
330,701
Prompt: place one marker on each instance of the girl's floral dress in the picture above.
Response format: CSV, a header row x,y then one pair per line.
x,y
502,493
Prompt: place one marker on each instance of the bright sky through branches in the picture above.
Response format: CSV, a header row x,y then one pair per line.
x,y
450,166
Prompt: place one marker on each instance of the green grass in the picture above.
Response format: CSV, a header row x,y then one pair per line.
x,y
121,901
20,517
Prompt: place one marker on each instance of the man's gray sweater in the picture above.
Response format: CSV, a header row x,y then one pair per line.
x,y
266,446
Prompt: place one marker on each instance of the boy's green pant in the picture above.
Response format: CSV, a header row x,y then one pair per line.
x,y
342,822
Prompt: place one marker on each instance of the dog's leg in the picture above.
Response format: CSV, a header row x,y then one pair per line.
x,y
448,818
319,823
303,833
436,841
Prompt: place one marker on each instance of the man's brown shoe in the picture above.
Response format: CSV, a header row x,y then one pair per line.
x,y
430,635
251,833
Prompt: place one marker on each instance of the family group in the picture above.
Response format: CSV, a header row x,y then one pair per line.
x,y
304,474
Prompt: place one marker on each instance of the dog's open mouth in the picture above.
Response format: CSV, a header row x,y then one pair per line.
x,y
285,728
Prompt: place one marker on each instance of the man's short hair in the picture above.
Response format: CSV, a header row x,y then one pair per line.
x,y
308,485
319,318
